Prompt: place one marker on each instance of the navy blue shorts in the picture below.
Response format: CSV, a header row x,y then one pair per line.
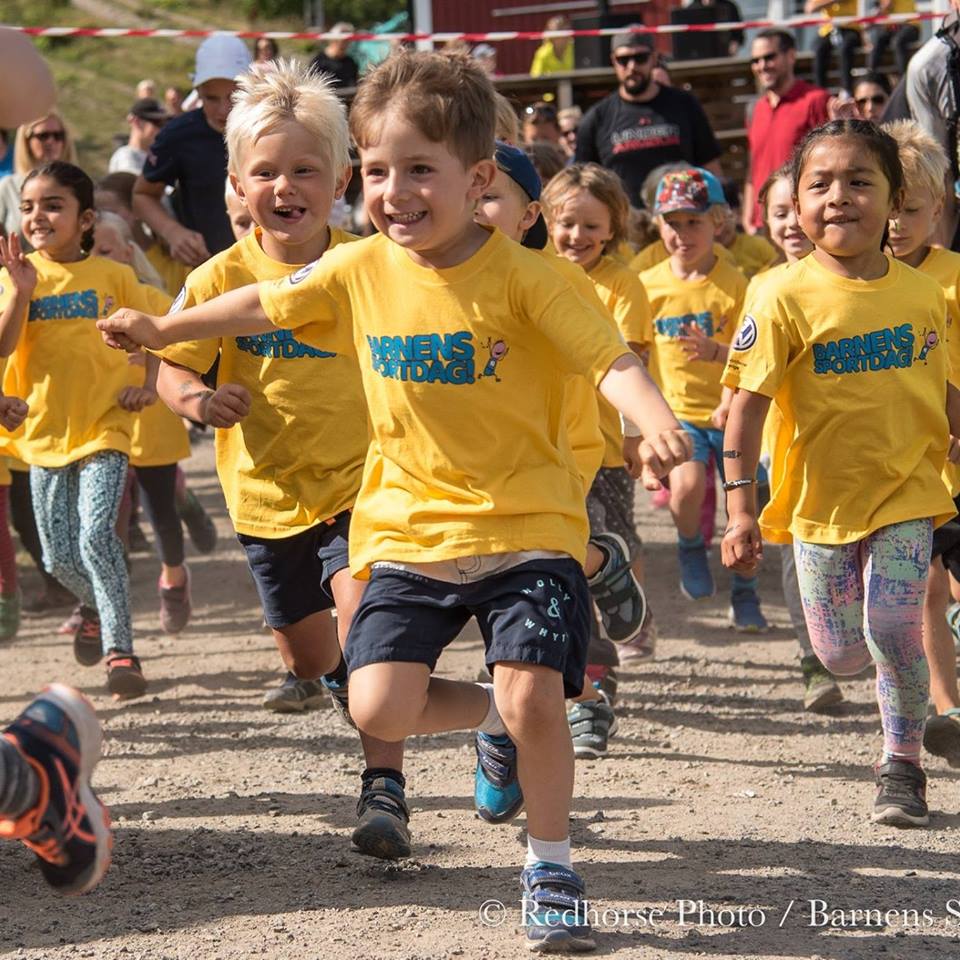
x,y
538,612
293,574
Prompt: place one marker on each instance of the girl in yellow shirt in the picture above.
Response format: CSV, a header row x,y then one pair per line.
x,y
851,343
76,433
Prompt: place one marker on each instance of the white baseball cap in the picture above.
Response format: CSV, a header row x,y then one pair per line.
x,y
221,57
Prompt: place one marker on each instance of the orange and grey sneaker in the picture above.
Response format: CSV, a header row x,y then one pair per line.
x,y
69,828
87,645
125,678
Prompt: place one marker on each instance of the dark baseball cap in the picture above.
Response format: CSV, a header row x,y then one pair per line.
x,y
631,37
520,169
146,108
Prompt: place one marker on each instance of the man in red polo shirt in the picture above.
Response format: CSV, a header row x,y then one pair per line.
x,y
786,110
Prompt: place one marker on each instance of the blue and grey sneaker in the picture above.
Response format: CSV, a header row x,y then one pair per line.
x,y
696,580
294,695
339,697
745,613
616,591
496,790
382,818
592,723
555,911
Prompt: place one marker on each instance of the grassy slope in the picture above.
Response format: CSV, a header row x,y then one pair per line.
x,y
97,77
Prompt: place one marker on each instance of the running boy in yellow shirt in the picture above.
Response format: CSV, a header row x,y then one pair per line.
x,y
291,423
471,503
696,298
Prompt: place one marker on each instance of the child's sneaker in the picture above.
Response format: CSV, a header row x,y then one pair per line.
x,y
202,531
295,695
696,580
616,591
496,789
901,795
51,598
555,911
644,645
339,697
820,687
605,679
125,678
382,818
592,723
175,605
745,613
953,622
9,615
69,828
941,737
87,645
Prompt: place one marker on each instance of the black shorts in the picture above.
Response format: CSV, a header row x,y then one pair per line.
x,y
537,612
293,574
946,543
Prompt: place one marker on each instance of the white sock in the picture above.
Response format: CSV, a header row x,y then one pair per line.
x,y
492,724
548,851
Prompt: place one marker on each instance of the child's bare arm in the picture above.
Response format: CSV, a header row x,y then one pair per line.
x,y
236,313
182,390
742,546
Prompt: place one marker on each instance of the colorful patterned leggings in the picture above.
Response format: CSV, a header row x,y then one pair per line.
x,y
864,601
76,509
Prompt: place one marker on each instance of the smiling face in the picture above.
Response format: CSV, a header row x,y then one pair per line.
x,y
911,229
843,198
688,236
288,187
51,219
783,223
772,66
581,227
421,195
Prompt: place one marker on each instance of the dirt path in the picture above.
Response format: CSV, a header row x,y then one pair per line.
x,y
232,824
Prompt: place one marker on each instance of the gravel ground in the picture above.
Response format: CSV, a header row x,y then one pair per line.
x,y
724,822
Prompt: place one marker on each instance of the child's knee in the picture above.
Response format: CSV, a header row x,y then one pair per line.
x,y
529,697
382,705
97,545
845,661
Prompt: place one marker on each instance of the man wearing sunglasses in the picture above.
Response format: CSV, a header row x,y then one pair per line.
x,y
787,108
642,124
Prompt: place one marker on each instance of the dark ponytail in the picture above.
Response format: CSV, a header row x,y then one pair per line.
x,y
72,178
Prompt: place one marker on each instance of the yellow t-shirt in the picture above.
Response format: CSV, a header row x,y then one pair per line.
x,y
839,8
752,253
463,371
172,272
159,437
656,252
622,293
944,267
861,368
68,376
296,459
692,387
546,61
581,402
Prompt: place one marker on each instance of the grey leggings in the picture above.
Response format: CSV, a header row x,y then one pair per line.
x,y
76,508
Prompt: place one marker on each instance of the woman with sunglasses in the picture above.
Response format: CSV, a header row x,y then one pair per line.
x,y
871,94
36,144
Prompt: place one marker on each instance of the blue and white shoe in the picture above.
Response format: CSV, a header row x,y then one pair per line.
x,y
555,910
745,613
696,580
496,790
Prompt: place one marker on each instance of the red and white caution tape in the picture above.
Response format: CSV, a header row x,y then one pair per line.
x,y
491,37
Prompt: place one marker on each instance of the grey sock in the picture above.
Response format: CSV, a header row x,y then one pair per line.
x,y
18,782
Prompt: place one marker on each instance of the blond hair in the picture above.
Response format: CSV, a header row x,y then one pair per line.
x,y
508,123
23,162
146,272
602,184
925,164
289,93
448,97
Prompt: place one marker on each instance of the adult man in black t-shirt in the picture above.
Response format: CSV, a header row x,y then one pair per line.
x,y
642,124
189,153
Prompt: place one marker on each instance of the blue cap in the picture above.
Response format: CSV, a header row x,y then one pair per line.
x,y
694,189
519,168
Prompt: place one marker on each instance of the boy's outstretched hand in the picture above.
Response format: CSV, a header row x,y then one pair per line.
x,y
656,456
13,411
130,330
742,546
226,406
